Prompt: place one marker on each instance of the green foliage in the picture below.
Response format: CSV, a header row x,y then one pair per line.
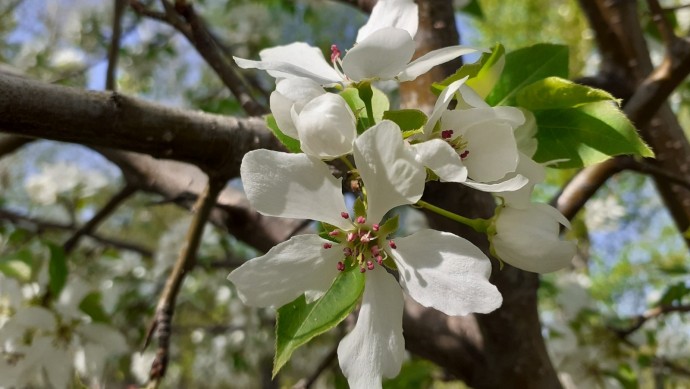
x,y
407,119
586,135
17,265
415,373
298,322
675,294
291,144
476,71
526,66
92,305
379,105
554,93
57,270
473,8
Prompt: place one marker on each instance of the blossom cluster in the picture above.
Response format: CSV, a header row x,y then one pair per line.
x,y
486,148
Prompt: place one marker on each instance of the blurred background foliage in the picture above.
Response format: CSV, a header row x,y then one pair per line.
x,y
631,257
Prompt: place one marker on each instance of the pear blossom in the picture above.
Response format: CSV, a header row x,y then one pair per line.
x,y
528,238
36,340
437,269
383,51
475,146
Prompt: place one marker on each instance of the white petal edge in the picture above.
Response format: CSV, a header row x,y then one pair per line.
x,y
289,93
446,272
375,348
390,172
382,55
442,159
442,104
288,270
436,57
509,185
293,186
402,14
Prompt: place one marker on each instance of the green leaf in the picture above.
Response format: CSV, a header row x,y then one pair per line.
x,y
555,92
474,9
359,208
526,66
389,227
586,135
674,294
379,105
92,305
483,70
57,270
299,322
16,269
407,119
290,143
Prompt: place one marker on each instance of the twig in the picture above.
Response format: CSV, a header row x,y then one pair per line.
x,y
306,383
107,209
184,18
639,320
649,168
42,225
186,261
114,48
665,28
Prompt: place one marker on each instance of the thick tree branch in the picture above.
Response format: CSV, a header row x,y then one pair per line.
x,y
103,119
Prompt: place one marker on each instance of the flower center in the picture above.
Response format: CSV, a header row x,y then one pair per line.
x,y
458,143
362,245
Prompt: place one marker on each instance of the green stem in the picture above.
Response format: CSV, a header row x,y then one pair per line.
x,y
479,225
348,163
366,94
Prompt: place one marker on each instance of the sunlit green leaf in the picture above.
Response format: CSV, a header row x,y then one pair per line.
x,y
407,119
586,135
555,92
291,144
526,66
299,322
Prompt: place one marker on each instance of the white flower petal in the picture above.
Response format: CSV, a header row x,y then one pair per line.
x,y
535,173
529,238
382,55
288,270
469,98
525,135
58,366
104,335
427,61
294,60
514,183
400,14
442,104
326,127
292,185
375,347
28,318
446,272
483,85
389,170
492,151
465,118
289,93
442,159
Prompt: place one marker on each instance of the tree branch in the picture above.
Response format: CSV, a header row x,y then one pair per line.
x,y
42,225
107,119
99,217
639,320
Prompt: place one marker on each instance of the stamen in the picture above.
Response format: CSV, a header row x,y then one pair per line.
x,y
362,270
335,53
375,227
379,260
370,265
347,251
361,220
344,215
366,238
375,250
327,245
351,236
334,233
392,244
464,154
446,134
340,266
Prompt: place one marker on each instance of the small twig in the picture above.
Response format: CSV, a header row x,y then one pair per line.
x,y
639,320
42,225
306,383
114,48
186,261
91,225
646,167
665,28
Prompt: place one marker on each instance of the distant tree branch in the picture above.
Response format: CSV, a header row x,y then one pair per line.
x,y
99,217
653,313
114,48
306,383
44,225
183,17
